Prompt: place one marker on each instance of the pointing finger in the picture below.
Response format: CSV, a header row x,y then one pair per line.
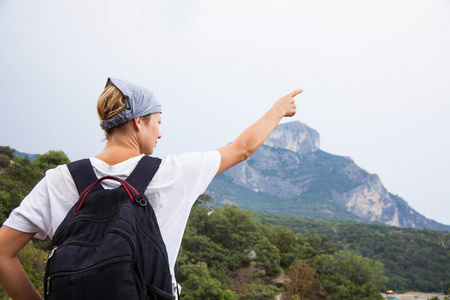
x,y
295,92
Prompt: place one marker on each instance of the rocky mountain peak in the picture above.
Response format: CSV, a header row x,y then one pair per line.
x,y
290,175
294,136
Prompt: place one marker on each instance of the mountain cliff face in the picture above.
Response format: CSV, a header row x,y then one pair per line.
x,y
290,175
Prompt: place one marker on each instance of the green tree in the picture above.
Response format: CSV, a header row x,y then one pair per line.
x,y
5,161
198,284
50,160
294,246
346,275
302,281
7,151
267,258
286,241
22,174
426,286
206,200
234,228
199,248
259,292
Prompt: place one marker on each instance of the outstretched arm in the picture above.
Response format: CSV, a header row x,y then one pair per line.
x,y
12,276
254,136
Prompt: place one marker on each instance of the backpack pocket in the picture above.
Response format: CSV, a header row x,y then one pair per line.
x,y
110,279
154,293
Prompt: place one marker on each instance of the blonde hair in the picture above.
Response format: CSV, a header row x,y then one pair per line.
x,y
110,103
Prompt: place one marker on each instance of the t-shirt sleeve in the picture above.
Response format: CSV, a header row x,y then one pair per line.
x,y
182,178
199,176
198,170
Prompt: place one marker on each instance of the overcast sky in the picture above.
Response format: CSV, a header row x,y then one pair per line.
x,y
375,76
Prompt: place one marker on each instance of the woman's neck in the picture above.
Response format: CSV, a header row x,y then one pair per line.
x,y
118,150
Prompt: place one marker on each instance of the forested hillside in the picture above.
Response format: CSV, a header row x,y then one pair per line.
x,y
413,259
230,253
18,175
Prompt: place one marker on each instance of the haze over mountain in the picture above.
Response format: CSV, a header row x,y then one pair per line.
x,y
290,175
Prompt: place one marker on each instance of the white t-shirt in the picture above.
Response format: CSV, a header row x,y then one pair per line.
x,y
173,190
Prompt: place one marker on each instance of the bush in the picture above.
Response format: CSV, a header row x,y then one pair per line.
x,y
4,161
260,292
346,275
51,159
198,284
6,151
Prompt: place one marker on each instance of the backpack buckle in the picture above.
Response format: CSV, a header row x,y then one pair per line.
x,y
141,200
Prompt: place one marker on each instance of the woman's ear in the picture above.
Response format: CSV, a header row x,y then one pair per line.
x,y
137,123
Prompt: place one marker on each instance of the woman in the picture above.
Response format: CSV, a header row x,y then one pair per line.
x,y
130,116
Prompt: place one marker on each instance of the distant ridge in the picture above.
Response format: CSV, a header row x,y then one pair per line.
x,y
290,175
31,157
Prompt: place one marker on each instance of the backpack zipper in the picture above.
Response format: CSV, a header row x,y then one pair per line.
x,y
110,261
50,254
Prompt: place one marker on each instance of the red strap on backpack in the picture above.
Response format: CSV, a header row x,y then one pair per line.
x,y
131,191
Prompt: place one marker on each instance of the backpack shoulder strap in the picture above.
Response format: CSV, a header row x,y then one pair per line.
x,y
143,172
82,173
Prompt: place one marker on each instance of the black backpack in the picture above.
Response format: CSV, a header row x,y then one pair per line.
x,y
109,247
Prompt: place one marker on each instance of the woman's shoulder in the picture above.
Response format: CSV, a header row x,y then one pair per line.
x,y
60,172
191,159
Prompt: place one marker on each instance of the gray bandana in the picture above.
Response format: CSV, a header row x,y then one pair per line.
x,y
139,102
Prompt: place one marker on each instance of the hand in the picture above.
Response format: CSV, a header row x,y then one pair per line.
x,y
253,137
286,104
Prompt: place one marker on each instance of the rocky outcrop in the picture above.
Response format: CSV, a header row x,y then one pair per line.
x,y
370,201
294,136
263,173
289,174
